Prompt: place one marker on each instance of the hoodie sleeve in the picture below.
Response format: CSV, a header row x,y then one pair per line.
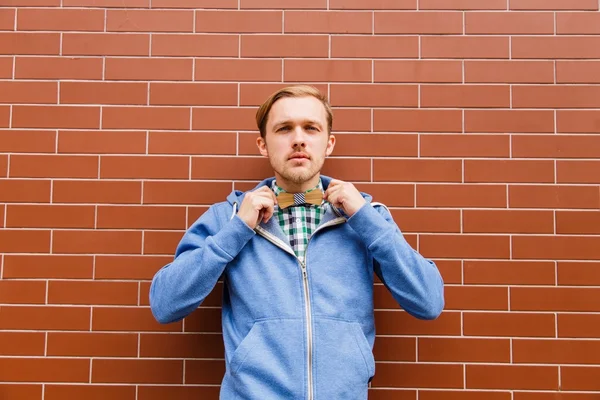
x,y
201,256
414,281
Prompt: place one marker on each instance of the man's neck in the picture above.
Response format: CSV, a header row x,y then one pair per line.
x,y
292,187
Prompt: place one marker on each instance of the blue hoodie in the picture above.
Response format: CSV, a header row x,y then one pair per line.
x,y
296,329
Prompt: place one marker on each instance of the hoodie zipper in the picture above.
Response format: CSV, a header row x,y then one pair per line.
x,y
307,307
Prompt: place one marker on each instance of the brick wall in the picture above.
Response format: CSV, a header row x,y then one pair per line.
x,y
477,122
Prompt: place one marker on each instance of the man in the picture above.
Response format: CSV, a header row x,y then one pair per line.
x,y
297,255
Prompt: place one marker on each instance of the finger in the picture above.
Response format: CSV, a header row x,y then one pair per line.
x,y
331,190
268,212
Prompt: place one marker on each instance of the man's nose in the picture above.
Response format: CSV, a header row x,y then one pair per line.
x,y
299,137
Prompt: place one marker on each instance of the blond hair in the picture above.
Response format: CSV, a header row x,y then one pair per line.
x,y
262,114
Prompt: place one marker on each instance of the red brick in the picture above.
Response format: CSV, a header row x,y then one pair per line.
x,y
557,247
464,350
553,5
49,216
181,392
577,23
194,4
464,47
22,141
224,118
45,318
24,241
419,375
417,120
149,21
106,44
451,270
509,121
580,378
90,292
508,221
254,94
555,299
181,345
141,217
204,320
161,242
17,43
509,324
556,47
204,371
45,370
461,196
393,195
462,394
21,391
88,344
553,196
6,67
89,392
392,394
447,145
514,71
107,3
352,120
556,146
328,22
283,4
401,323
556,97
7,19
476,298
22,292
465,246
375,145
4,165
185,192
374,95
556,351
103,93
58,68
575,273
552,396
195,45
103,242
455,96
285,46
146,118
512,377
54,166
462,5
48,267
29,191
71,117
60,20
327,70
137,371
28,92
155,167
4,116
201,94
129,319
194,213
192,143
509,272
578,325
129,267
534,171
514,23
577,222
372,4
143,69
418,170
348,169
239,21
95,142
578,72
348,46
238,70
418,23
97,192
417,70
419,220
388,348
578,121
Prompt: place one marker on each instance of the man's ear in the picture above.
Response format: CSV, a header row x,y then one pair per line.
x,y
262,146
330,145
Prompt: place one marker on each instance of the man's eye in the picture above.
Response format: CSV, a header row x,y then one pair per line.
x,y
283,128
314,128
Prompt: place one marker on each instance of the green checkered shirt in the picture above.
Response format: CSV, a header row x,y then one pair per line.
x,y
299,222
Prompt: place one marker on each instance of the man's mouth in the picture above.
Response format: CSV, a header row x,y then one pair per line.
x,y
298,156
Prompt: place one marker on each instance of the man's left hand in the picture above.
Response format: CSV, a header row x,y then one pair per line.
x,y
345,196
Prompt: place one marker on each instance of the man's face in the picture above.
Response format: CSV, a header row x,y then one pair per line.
x,y
296,139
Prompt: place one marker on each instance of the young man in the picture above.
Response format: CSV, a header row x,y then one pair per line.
x,y
298,255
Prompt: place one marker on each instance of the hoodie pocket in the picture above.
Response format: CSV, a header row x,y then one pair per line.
x,y
343,361
268,363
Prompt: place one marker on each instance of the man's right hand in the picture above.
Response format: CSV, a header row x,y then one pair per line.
x,y
258,205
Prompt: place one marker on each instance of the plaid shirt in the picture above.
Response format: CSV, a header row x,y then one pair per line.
x,y
299,222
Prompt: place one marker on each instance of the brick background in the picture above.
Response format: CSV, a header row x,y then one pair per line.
x,y
477,122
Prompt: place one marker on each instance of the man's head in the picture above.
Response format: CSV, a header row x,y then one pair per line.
x,y
295,133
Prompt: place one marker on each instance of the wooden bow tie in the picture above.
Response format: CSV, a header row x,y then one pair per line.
x,y
285,200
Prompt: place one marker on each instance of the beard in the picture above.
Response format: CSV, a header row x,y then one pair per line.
x,y
298,175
